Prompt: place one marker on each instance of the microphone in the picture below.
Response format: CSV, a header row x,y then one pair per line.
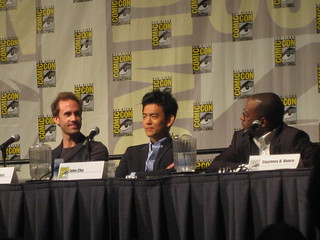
x,y
14,138
94,132
255,125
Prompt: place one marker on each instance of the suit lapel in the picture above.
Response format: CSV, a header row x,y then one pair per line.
x,y
166,145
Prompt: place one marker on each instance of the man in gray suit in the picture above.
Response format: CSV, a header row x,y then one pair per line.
x,y
264,132
159,110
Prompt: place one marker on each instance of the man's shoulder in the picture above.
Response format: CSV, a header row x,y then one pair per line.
x,y
137,147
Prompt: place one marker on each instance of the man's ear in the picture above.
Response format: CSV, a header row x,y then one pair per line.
x,y
56,120
264,122
170,121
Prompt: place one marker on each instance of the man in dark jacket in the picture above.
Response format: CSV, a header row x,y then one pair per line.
x,y
159,110
263,133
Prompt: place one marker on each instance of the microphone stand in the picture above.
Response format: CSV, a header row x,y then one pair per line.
x,y
4,155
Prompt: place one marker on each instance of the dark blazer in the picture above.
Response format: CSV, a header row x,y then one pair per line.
x,y
81,153
287,140
135,158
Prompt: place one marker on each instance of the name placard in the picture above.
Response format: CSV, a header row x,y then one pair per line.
x,y
273,162
8,175
81,170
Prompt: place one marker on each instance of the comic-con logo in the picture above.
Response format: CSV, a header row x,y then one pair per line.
x,y
164,84
83,43
122,122
45,20
242,26
290,109
203,164
243,83
120,12
10,104
318,69
285,51
122,66
203,117
8,5
46,74
47,129
283,3
318,17
13,152
86,94
9,50
200,8
161,34
201,59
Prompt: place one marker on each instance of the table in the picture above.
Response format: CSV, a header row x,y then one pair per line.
x,y
214,206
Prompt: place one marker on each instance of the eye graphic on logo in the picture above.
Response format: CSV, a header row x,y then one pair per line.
x,y
125,69
206,119
246,28
289,112
205,62
164,37
245,87
12,52
204,5
87,100
50,131
289,53
48,22
13,107
124,13
49,76
126,125
86,44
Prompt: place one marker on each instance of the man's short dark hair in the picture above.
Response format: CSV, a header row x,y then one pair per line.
x,y
271,107
162,99
63,96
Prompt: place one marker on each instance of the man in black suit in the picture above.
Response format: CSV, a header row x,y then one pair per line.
x,y
74,147
264,132
159,110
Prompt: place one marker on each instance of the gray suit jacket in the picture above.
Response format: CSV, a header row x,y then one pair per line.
x,y
286,140
135,158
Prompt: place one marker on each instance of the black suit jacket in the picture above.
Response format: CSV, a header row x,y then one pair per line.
x,y
82,152
287,140
135,157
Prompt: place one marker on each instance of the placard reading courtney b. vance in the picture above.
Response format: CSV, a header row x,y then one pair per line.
x,y
81,170
272,162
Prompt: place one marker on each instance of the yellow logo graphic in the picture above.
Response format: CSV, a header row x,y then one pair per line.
x,y
201,59
9,50
242,26
122,122
203,117
13,152
83,43
86,94
120,12
47,129
243,83
46,74
290,109
285,51
283,3
8,5
122,67
45,20
10,104
201,8
163,84
161,34
318,17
